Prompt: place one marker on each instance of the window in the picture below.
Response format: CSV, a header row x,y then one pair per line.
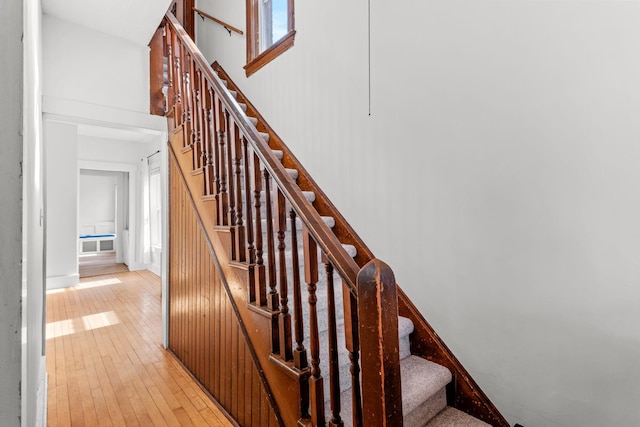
x,y
270,31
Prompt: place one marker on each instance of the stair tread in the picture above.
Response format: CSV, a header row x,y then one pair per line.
x,y
293,173
405,328
351,250
423,385
421,379
452,417
329,220
309,195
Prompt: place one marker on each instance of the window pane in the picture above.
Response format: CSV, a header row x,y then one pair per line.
x,y
280,24
273,22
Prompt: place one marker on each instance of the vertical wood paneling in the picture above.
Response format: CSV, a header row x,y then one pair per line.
x,y
204,332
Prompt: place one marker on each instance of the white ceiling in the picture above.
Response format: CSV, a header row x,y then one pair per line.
x,y
134,20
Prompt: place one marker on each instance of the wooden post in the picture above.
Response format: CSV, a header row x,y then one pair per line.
x,y
380,355
156,78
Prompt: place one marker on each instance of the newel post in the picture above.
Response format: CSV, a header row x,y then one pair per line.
x,y
380,356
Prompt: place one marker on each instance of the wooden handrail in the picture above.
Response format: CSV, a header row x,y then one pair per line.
x,y
320,231
218,21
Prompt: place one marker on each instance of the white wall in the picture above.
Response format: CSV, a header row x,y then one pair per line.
x,y
497,175
62,204
11,213
110,151
97,197
93,67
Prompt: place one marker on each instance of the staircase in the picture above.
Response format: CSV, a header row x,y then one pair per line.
x,y
332,337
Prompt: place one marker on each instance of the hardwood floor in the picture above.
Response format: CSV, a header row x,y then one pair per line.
x,y
97,264
106,364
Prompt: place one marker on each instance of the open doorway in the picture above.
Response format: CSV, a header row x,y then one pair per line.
x,y
103,217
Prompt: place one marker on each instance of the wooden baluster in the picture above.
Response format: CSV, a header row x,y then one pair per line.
x,y
231,212
272,296
240,243
195,125
168,40
352,342
202,119
216,123
334,372
197,119
251,250
188,103
299,353
207,159
223,122
284,320
177,63
261,283
378,331
316,382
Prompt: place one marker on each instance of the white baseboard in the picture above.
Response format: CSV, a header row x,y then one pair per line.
x,y
57,282
155,269
42,400
135,266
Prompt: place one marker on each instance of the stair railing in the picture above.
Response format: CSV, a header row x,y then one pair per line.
x,y
258,200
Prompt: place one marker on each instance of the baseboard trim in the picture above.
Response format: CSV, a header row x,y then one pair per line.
x,y
57,282
42,398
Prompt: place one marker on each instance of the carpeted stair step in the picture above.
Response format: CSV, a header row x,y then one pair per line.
x,y
293,173
405,328
351,250
423,392
451,417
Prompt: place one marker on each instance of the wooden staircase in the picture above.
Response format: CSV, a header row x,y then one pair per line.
x,y
315,321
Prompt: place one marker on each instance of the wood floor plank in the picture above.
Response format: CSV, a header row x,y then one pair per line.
x,y
105,362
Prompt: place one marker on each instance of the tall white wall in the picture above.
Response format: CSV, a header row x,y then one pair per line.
x,y
62,204
94,68
497,175
11,213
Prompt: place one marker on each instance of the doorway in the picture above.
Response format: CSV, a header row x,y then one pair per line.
x,y
103,216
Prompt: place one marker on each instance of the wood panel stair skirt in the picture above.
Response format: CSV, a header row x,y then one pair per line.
x,y
277,307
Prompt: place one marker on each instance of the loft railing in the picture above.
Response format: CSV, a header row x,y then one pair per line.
x,y
272,206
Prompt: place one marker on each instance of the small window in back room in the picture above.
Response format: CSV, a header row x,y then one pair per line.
x,y
270,31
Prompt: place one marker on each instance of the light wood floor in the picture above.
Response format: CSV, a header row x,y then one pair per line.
x,y
105,362
99,263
